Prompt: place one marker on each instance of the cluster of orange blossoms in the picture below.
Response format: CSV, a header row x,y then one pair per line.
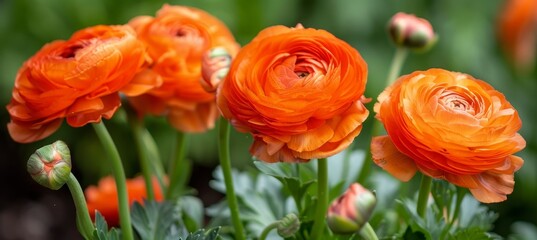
x,y
156,62
298,91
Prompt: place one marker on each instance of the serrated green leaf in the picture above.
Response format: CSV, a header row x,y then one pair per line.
x,y
261,201
101,231
432,225
154,220
201,234
280,170
473,214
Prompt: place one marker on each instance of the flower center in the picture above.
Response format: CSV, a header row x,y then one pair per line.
x,y
301,74
70,52
457,102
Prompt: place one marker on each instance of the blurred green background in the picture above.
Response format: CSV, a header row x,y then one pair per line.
x,y
467,43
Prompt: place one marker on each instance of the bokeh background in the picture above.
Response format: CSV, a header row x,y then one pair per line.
x,y
467,43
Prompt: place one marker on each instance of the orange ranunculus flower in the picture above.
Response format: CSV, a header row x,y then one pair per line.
x,y
298,92
517,30
177,39
103,197
77,79
450,126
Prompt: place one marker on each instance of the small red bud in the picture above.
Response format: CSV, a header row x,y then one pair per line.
x,y
352,210
407,30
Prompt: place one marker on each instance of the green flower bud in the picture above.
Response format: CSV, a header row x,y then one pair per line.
x,y
50,165
288,225
348,213
407,30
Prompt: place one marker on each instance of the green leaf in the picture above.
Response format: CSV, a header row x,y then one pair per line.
x,y
193,212
101,231
475,233
473,214
201,234
261,201
155,220
432,225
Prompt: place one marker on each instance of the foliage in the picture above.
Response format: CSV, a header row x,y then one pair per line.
x,y
160,220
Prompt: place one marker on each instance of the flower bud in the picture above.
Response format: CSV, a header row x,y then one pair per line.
x,y
352,210
50,165
214,67
289,225
409,31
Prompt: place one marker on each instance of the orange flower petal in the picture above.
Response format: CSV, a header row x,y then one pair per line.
x,y
142,82
28,134
199,119
386,156
92,111
493,187
103,197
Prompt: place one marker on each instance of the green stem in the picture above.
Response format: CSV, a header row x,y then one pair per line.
x,y
83,220
177,167
346,157
396,66
119,175
460,196
368,233
425,189
368,160
137,126
153,152
267,230
395,70
225,162
322,199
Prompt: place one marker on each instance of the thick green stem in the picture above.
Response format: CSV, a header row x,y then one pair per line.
x,y
368,233
322,199
145,165
225,162
83,220
177,171
425,189
267,230
395,70
119,175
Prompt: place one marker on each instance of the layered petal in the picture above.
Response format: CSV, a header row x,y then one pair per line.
x,y
298,91
450,126
77,79
177,39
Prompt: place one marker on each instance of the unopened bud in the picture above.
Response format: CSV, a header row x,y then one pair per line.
x,y
288,225
409,31
50,165
352,210
214,68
